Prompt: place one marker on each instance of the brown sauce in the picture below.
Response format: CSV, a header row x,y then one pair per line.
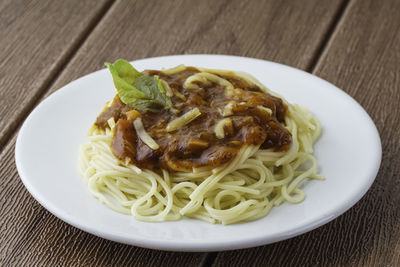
x,y
195,144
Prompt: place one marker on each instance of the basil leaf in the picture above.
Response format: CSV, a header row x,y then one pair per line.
x,y
161,89
124,76
150,85
145,104
139,91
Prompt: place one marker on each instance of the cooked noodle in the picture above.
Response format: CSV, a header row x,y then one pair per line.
x,y
244,189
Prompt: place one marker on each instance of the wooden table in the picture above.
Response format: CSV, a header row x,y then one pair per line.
x,y
353,44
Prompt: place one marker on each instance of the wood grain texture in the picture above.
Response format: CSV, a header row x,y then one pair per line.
x,y
362,58
285,31
36,39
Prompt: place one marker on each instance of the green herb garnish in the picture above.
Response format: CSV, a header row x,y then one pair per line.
x,y
137,90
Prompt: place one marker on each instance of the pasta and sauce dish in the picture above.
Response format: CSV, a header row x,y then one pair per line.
x,y
208,144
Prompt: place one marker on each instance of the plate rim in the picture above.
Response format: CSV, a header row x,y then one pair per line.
x,y
187,245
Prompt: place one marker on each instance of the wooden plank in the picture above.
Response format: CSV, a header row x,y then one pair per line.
x,y
363,59
36,39
284,31
288,32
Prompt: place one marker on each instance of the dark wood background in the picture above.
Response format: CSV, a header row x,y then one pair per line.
x,y
354,44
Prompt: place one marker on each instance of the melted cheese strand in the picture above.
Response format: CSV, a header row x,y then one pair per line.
x,y
174,70
183,120
227,110
219,127
267,110
207,79
168,90
143,135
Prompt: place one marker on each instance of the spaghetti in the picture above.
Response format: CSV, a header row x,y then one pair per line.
x,y
245,188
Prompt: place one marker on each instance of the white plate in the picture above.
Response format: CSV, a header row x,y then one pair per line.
x,y
349,154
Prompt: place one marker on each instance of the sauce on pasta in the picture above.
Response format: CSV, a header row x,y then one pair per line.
x,y
214,145
224,124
